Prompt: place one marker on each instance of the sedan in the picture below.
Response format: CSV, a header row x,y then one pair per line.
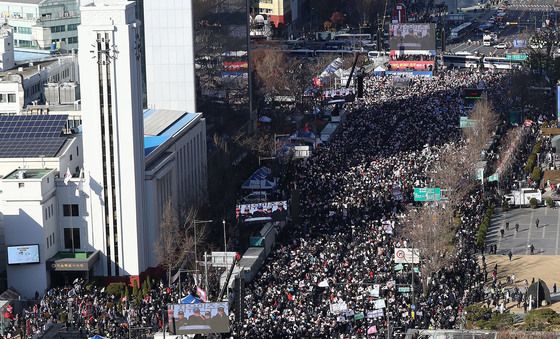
x,y
501,45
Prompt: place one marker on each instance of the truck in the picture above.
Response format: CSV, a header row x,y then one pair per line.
x,y
488,39
523,196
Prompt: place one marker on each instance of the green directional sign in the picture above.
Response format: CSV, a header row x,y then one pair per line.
x,y
465,122
427,194
404,289
516,57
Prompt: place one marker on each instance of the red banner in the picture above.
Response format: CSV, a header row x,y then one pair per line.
x,y
235,65
411,65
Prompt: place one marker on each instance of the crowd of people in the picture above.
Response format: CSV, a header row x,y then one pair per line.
x,y
336,275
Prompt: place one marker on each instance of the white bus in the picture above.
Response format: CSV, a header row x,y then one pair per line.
x,y
461,61
501,63
460,31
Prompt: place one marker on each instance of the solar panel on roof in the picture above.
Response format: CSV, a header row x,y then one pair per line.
x,y
31,126
30,148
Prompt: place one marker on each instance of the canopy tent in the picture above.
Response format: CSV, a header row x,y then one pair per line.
x,y
265,119
379,70
190,299
98,337
259,180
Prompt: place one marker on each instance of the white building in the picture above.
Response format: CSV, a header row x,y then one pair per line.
x,y
40,23
168,36
6,48
25,85
107,221
114,132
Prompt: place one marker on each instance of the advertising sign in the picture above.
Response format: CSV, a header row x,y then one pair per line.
x,y
412,36
472,93
23,254
201,318
411,65
427,194
235,65
274,209
407,256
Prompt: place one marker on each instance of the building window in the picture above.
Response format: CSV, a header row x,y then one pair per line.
x,y
72,27
21,185
11,97
70,210
73,40
58,29
71,238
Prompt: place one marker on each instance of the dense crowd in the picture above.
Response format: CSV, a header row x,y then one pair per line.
x,y
354,191
89,309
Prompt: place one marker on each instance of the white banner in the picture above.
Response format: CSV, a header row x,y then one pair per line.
x,y
338,308
374,290
407,256
379,304
375,314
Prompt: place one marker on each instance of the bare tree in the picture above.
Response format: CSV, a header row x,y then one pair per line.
x,y
262,145
431,231
177,239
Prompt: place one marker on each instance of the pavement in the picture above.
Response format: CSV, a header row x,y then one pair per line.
x,y
545,238
527,267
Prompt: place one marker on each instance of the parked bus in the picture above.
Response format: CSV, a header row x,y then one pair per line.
x,y
501,63
460,31
462,61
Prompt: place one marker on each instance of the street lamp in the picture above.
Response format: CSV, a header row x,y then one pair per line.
x,y
195,222
225,239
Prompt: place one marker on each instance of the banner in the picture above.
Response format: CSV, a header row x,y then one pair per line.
x,y
411,36
375,314
277,210
200,318
379,304
374,290
395,65
337,308
407,256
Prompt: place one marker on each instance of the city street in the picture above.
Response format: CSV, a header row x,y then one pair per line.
x,y
545,238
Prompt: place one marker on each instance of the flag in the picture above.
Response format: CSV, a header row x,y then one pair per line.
x,y
80,187
67,176
493,177
201,294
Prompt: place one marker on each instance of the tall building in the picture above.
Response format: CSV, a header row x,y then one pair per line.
x,y
113,128
221,45
169,55
40,23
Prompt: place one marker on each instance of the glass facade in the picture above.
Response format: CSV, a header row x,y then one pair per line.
x,y
222,63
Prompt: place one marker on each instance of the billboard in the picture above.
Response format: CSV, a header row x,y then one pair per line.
x,y
277,210
23,254
201,318
409,36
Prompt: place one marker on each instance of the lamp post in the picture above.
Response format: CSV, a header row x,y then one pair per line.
x,y
225,239
196,222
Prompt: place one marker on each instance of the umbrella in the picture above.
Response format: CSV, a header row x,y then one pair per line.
x,y
265,119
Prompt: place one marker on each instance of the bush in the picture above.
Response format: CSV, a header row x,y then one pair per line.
x,y
537,148
116,289
533,203
530,163
483,228
549,202
542,319
536,174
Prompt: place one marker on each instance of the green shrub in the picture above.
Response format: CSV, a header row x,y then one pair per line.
x,y
530,163
533,203
549,202
542,319
537,148
116,289
536,174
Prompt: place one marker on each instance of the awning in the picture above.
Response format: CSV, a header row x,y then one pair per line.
x,y
73,261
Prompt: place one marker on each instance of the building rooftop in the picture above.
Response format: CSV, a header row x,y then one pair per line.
x,y
162,125
30,2
22,55
27,173
32,136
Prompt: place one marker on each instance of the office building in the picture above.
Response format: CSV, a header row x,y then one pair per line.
x,y
169,58
42,23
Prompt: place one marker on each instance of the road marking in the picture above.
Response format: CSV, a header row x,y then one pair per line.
x,y
529,233
557,232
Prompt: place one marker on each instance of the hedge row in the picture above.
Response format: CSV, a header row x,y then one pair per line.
x,y
484,225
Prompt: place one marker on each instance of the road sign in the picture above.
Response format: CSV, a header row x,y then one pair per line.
x,y
404,289
427,194
516,57
465,122
407,256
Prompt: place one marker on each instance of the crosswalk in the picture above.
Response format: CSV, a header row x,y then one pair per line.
x,y
539,7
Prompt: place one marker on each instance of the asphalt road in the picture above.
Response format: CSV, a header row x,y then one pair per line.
x,y
545,238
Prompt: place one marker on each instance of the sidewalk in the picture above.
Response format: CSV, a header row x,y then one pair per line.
x,y
545,267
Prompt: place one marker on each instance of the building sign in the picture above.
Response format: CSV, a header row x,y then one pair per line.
x,y
407,256
427,194
70,266
411,65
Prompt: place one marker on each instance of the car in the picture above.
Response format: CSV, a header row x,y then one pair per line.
x,y
255,197
501,45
